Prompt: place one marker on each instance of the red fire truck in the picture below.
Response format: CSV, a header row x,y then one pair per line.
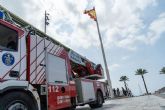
x,y
39,73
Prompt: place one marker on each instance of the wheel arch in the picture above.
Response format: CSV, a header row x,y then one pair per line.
x,y
23,90
11,85
20,86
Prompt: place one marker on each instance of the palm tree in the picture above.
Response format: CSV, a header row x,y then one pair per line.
x,y
141,72
162,70
124,79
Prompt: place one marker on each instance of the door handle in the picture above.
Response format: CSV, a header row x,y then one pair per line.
x,y
14,73
63,89
42,65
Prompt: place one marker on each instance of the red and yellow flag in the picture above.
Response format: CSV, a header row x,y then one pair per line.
x,y
91,13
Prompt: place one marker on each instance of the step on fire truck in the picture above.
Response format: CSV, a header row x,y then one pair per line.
x,y
39,73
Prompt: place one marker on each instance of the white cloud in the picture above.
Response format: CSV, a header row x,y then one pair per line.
x,y
156,28
120,21
113,67
125,57
128,43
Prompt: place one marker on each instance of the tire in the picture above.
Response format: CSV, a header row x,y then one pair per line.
x,y
73,103
17,101
99,101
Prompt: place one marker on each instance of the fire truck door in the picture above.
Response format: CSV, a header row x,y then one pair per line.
x,y
10,51
58,87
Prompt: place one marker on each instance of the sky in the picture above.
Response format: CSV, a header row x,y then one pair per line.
x,y
132,31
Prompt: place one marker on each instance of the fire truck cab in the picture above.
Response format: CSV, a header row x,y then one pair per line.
x,y
39,73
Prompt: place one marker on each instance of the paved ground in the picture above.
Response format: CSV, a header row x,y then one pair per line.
x,y
137,103
162,95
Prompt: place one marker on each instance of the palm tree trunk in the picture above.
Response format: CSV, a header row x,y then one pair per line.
x,y
145,84
125,85
126,88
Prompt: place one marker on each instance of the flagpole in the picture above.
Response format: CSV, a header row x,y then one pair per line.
x,y
104,58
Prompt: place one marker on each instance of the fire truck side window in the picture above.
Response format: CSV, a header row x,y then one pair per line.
x,y
8,39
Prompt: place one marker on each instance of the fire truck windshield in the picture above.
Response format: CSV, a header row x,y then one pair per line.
x,y
8,39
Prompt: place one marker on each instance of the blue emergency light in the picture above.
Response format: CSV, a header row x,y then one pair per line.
x,y
1,15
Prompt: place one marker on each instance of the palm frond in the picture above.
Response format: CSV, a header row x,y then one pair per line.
x,y
124,78
140,71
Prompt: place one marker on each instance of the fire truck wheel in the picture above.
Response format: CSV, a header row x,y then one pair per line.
x,y
99,101
17,101
73,103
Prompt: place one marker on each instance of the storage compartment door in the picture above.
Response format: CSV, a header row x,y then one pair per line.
x,y
85,90
88,91
57,70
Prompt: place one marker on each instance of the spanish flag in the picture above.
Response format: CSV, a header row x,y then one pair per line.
x,y
91,13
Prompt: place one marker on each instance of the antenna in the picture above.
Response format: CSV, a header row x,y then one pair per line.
x,y
46,20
